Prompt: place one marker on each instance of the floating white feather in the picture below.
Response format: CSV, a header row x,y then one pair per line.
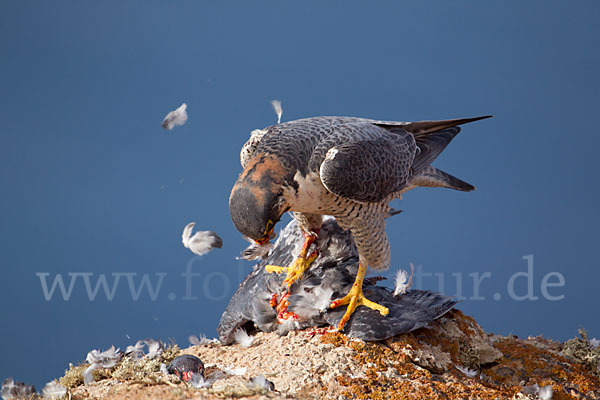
x,y
177,117
403,281
201,242
54,391
277,108
242,338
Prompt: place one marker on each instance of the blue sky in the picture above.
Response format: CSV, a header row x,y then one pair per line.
x,y
92,184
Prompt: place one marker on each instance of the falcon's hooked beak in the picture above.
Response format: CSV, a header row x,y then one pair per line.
x,y
269,234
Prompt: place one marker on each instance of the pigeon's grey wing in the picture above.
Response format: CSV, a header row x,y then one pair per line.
x,y
408,312
364,162
187,233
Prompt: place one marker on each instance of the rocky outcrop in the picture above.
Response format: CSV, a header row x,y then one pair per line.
x,y
452,358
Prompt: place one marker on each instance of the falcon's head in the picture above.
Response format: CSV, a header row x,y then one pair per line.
x,y
258,199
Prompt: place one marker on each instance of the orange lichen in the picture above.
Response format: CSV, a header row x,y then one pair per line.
x,y
335,338
520,361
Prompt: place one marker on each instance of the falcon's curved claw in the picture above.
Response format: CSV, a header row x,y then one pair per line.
x,y
355,298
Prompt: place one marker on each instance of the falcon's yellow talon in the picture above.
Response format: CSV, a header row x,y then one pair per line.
x,y
275,269
297,269
356,298
299,265
294,271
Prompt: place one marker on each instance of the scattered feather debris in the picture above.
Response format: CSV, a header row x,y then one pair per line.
x,y
542,393
277,108
87,374
242,338
198,381
136,351
404,281
468,372
54,391
97,360
202,340
155,348
16,390
201,242
311,304
177,117
105,359
263,383
163,369
235,371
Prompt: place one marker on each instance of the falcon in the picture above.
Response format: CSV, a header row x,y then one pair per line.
x,y
346,167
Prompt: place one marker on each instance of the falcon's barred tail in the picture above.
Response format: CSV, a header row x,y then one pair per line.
x,y
433,177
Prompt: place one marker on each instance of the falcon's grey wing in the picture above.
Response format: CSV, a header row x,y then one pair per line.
x,y
369,160
364,162
431,136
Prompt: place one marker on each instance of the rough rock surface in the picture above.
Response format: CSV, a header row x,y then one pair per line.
x,y
322,364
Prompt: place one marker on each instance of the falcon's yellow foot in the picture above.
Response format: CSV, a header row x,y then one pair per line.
x,y
300,264
355,298
295,270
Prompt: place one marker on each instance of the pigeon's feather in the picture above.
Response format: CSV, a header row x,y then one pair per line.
x,y
105,359
187,232
403,281
242,338
136,351
176,117
155,348
54,391
468,372
201,242
277,108
16,390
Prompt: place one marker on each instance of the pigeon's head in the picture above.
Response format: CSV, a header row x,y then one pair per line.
x,y
257,200
186,366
